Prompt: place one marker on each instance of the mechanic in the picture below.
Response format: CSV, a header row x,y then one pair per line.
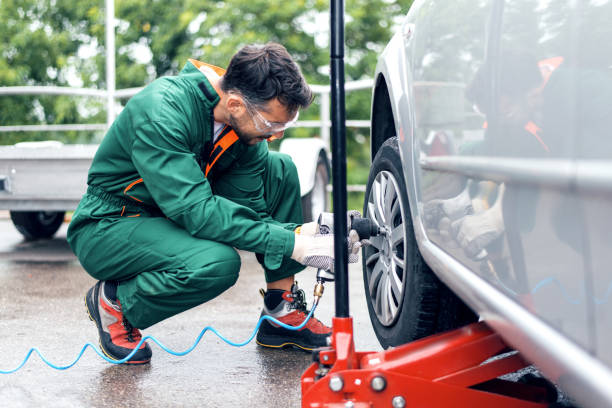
x,y
179,182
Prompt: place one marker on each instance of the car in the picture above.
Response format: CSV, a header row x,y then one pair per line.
x,y
492,177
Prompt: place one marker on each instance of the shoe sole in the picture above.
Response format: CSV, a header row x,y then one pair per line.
x,y
96,320
286,344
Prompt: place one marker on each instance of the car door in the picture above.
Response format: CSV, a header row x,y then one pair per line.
x,y
511,105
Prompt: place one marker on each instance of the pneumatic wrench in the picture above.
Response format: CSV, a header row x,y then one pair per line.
x,y
365,229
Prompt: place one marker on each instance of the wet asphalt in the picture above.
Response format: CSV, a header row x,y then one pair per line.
x,y
42,286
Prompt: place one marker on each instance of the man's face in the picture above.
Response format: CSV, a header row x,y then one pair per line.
x,y
256,125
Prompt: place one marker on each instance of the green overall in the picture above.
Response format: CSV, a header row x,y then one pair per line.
x,y
152,220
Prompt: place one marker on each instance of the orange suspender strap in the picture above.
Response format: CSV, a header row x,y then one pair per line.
x,y
130,186
228,138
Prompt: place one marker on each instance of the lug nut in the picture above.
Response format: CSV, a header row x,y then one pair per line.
x,y
398,402
378,383
336,383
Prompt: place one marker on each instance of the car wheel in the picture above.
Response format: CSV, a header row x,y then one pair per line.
x,y
406,301
37,224
315,202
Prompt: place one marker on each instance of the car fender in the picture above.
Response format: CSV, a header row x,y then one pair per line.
x,y
305,153
394,63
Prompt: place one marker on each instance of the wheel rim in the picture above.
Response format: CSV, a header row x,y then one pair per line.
x,y
319,194
385,258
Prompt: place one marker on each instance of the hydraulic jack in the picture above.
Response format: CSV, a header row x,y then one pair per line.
x,y
453,369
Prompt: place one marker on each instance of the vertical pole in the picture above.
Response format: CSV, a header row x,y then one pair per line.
x,y
110,61
339,157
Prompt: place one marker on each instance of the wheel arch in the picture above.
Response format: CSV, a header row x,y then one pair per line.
x,y
383,122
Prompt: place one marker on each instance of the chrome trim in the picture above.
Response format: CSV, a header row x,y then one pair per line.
x,y
586,175
577,372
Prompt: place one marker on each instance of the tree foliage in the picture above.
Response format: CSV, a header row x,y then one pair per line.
x,y
61,42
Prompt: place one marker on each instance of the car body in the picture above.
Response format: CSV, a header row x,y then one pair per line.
x,y
491,137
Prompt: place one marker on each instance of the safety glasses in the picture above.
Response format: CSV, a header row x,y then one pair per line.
x,y
263,125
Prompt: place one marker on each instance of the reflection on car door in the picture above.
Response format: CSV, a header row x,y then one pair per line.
x,y
512,115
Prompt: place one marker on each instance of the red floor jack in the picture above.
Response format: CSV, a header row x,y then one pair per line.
x,y
444,370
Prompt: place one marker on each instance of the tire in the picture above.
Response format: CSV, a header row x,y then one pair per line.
x,y
37,224
316,201
419,304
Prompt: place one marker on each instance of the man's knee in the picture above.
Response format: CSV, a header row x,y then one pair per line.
x,y
233,264
226,268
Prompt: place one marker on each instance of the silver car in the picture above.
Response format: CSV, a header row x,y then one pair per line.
x,y
492,170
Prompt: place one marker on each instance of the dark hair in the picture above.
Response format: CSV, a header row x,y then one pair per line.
x,y
261,73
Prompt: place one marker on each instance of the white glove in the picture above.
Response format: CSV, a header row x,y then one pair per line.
x,y
310,228
314,250
354,245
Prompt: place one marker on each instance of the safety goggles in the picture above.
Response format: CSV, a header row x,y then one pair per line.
x,y
263,125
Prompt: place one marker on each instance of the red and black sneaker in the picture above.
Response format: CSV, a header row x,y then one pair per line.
x,y
118,337
291,310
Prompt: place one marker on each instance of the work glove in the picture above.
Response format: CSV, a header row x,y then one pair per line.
x,y
314,250
354,245
318,250
309,228
475,232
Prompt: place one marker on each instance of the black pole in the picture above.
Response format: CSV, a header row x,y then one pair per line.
x,y
338,116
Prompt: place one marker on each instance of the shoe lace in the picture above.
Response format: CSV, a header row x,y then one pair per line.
x,y
132,334
298,299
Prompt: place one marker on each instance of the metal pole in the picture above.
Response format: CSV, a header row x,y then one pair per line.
x,y
110,62
339,157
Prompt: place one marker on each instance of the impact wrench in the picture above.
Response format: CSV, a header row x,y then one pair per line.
x,y
365,229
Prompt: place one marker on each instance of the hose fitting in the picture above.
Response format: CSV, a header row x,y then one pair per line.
x,y
318,292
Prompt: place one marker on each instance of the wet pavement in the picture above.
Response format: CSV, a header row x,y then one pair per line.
x,y
41,304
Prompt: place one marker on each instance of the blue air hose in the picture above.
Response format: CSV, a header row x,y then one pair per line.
x,y
166,349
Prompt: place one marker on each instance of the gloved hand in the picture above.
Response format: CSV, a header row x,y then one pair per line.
x,y
314,250
318,250
309,228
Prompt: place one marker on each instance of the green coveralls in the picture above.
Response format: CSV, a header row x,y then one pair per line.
x,y
151,219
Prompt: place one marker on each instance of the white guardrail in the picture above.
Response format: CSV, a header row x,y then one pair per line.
x,y
324,122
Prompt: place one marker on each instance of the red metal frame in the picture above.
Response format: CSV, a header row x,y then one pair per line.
x,y
444,370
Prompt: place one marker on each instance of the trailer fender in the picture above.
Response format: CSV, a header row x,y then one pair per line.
x,y
305,153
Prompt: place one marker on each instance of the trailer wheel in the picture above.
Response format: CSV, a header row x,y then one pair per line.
x,y
37,224
315,202
406,301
